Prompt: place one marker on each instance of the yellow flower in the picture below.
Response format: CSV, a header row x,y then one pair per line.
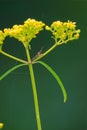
x,y
2,37
69,25
1,125
26,32
6,30
76,36
63,31
47,28
57,24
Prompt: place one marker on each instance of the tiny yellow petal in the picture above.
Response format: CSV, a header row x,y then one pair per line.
x,y
47,28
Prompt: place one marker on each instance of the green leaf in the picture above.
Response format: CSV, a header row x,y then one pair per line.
x,y
55,75
11,70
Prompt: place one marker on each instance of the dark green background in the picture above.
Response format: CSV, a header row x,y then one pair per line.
x,y
69,61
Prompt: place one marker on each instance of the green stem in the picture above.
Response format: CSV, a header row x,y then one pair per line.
x,y
34,90
13,57
45,53
57,43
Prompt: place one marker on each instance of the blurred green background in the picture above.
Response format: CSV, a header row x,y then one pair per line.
x,y
69,61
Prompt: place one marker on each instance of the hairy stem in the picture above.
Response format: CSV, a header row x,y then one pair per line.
x,y
34,90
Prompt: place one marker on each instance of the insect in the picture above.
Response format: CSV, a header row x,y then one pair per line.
x,y
38,54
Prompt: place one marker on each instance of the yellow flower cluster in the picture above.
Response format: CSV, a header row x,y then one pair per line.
x,y
63,31
2,37
26,32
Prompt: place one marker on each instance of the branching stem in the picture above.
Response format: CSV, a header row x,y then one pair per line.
x,y
34,90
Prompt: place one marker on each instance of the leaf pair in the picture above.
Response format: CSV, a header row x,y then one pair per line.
x,y
54,74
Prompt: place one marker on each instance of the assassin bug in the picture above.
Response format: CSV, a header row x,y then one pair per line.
x,y
38,54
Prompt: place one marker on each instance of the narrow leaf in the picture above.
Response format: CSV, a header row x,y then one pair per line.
x,y
10,70
55,75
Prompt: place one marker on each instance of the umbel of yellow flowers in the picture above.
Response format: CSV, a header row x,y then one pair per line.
x,y
26,32
62,31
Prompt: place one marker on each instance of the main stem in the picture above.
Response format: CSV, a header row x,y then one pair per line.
x,y
34,90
